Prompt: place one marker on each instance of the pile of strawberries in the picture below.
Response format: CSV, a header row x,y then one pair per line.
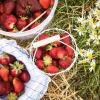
x,y
13,76
16,14
56,56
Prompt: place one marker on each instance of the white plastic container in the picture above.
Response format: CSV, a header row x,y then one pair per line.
x,y
30,33
54,30
38,84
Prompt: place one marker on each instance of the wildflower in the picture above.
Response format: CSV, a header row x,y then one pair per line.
x,y
93,65
89,54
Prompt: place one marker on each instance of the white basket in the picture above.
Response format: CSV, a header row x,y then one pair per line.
x,y
30,33
73,41
38,84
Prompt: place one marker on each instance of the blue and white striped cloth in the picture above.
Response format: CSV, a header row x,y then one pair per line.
x,y
38,84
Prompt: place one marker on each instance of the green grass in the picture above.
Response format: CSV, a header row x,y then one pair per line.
x,y
86,83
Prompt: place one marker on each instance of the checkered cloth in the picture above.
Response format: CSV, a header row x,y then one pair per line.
x,y
38,84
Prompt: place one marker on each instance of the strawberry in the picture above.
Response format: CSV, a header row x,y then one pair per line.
x,y
40,64
18,85
21,23
51,2
20,11
66,40
47,60
65,63
1,8
39,53
9,22
7,88
9,6
47,13
45,3
4,72
34,25
43,36
30,20
37,14
12,96
10,78
5,59
53,52
16,69
70,51
60,53
24,76
2,88
52,69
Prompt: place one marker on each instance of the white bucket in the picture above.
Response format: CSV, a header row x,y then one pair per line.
x,y
30,33
75,48
38,83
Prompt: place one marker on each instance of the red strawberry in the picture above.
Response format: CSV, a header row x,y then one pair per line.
x,y
38,53
43,36
51,2
70,51
30,20
65,63
37,14
2,88
66,40
53,52
60,53
21,23
5,59
18,85
1,8
40,64
47,60
16,69
45,3
20,11
34,25
9,6
24,76
52,69
4,72
9,22
7,88
47,13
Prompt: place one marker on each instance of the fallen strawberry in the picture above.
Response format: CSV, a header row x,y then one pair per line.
x,y
52,69
9,6
9,22
18,85
16,69
40,64
21,23
45,3
65,62
24,76
4,72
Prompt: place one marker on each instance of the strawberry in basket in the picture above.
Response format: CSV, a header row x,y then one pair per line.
x,y
13,76
13,12
55,52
